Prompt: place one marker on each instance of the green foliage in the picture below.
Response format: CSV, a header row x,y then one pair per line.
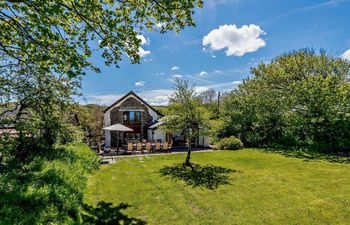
x,y
57,36
42,111
230,143
186,114
91,121
299,99
162,109
69,134
48,188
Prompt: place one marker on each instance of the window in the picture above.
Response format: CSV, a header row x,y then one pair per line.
x,y
138,117
132,117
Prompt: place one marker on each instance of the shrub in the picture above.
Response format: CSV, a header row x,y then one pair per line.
x,y
48,188
230,143
70,133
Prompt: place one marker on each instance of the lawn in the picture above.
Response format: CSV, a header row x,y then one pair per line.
x,y
264,188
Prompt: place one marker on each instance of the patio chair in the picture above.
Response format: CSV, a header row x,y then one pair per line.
x,y
157,148
106,151
148,148
138,147
170,145
165,147
130,148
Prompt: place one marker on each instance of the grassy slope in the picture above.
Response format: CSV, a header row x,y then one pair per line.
x,y
269,189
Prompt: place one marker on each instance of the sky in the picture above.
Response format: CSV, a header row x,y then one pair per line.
x,y
230,37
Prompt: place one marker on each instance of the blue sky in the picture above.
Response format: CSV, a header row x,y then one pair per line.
x,y
230,37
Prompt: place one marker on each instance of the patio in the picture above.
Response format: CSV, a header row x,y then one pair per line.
x,y
112,156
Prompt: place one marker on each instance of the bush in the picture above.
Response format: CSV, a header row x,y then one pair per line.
x,y
230,143
48,188
70,133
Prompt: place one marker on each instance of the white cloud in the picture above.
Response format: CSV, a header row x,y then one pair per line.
x,y
153,97
157,97
236,41
203,73
140,83
175,68
104,99
160,96
346,55
179,76
213,56
161,24
144,41
218,71
225,87
148,60
142,52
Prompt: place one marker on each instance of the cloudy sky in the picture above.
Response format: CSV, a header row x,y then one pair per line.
x,y
230,37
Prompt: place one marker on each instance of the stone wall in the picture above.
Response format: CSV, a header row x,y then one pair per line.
x,y
117,117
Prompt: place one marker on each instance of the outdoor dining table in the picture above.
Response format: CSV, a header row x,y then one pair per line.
x,y
143,144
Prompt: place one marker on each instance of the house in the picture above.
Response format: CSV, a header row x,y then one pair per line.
x,y
6,128
135,113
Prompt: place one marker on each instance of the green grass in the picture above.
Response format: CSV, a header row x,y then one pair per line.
x,y
268,188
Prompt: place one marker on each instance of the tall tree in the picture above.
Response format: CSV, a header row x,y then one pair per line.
x,y
208,96
186,114
45,47
300,98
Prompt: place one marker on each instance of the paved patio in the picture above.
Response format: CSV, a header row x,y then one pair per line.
x,y
112,158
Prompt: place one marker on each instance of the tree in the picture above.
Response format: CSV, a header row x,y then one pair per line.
x,y
186,114
45,48
39,110
57,35
300,98
208,96
91,121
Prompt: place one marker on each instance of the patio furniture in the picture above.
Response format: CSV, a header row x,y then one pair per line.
x,y
106,151
165,147
130,148
138,147
148,148
118,127
157,148
170,145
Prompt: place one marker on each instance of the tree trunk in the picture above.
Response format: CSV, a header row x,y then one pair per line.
x,y
188,157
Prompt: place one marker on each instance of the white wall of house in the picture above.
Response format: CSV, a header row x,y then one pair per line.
x,y
154,115
203,141
158,134
107,138
107,118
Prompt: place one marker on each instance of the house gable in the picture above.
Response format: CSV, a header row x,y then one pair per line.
x,y
131,94
130,102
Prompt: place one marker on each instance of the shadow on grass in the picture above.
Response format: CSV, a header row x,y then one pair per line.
x,y
208,176
107,214
310,155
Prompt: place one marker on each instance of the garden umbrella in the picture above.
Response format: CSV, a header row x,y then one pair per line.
x,y
118,127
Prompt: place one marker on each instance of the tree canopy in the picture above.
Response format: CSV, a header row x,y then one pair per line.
x,y
56,35
300,98
186,114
